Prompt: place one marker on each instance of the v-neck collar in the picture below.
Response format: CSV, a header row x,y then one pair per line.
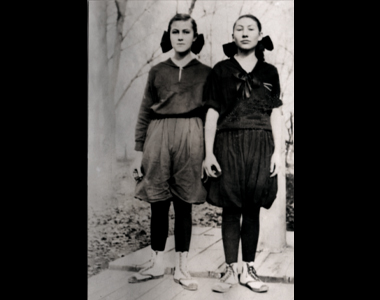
x,y
241,68
170,62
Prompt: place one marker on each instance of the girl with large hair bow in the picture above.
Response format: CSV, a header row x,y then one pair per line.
x,y
242,141
170,147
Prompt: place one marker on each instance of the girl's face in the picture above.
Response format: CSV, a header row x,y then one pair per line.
x,y
246,34
182,35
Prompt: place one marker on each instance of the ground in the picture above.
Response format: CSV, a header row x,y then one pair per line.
x,y
123,229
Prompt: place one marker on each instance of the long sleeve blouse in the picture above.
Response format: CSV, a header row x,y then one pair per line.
x,y
171,91
243,100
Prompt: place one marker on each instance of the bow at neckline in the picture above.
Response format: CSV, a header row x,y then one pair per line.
x,y
246,83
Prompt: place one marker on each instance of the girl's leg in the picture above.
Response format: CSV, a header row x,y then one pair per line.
x,y
182,236
182,225
250,233
159,224
249,239
231,233
231,236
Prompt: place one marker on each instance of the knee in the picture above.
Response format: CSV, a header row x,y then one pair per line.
x,y
231,215
182,210
251,215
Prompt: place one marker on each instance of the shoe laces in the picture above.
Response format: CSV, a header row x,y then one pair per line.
x,y
183,269
252,273
186,273
229,272
150,265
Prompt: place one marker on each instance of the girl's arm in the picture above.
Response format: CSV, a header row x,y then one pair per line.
x,y
144,117
143,121
276,122
210,130
212,96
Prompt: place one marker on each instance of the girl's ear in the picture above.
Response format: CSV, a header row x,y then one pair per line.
x,y
260,36
195,38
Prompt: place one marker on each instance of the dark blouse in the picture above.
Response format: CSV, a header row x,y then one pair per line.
x,y
243,100
171,91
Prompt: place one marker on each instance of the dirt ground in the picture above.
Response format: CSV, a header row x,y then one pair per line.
x,y
123,229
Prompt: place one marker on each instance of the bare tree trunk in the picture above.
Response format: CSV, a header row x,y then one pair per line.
x,y
114,70
120,6
101,112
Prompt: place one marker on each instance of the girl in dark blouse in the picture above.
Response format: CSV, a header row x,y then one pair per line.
x,y
243,118
170,147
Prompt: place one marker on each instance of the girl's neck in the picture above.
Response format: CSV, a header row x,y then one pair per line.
x,y
246,55
182,59
246,59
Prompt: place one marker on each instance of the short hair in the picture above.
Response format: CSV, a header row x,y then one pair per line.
x,y
184,17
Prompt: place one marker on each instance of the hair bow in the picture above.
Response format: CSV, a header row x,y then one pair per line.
x,y
267,43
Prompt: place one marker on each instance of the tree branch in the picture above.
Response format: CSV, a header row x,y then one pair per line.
x,y
266,10
210,37
133,24
286,49
241,8
119,15
192,6
138,74
290,71
139,41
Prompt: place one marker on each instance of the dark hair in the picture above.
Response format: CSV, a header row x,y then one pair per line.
x,y
196,46
184,17
249,16
259,49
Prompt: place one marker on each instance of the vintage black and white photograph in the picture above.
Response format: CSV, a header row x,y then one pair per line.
x,y
190,179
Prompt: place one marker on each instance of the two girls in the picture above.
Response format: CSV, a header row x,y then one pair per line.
x,y
242,147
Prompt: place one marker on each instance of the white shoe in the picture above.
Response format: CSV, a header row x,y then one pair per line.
x,y
181,274
229,279
154,270
250,279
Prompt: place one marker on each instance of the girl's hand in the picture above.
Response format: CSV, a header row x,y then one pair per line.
x,y
275,164
211,166
135,170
